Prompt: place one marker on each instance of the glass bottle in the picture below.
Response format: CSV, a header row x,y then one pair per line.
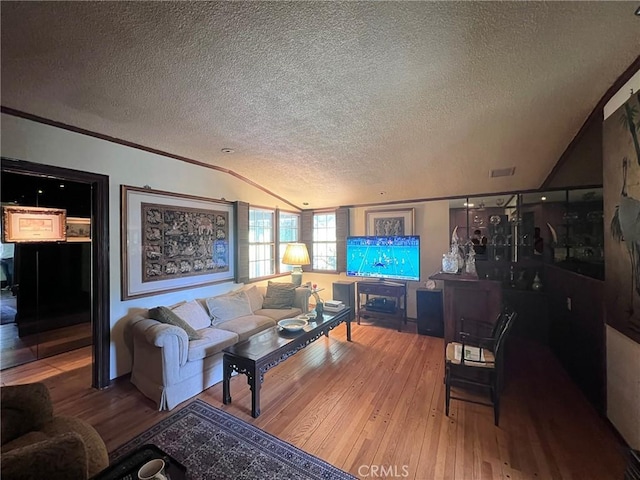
x,y
470,266
537,283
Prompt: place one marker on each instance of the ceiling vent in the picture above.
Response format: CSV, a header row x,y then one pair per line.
x,y
502,172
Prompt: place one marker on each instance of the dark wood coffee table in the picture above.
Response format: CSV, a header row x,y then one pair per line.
x,y
265,350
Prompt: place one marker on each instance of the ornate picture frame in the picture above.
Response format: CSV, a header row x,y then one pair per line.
x,y
390,222
78,229
172,241
33,224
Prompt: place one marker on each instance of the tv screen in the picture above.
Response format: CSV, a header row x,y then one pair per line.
x,y
388,257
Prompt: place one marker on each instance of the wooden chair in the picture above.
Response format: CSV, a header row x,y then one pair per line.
x,y
476,362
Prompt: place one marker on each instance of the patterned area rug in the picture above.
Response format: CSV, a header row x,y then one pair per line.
x,y
215,445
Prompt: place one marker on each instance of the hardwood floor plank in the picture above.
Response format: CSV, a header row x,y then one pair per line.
x,y
378,402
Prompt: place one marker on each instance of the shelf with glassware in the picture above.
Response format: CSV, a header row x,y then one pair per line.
x,y
562,227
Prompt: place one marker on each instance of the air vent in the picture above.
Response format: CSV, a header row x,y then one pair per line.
x,y
502,172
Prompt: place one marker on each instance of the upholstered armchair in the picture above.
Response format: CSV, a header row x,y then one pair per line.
x,y
37,444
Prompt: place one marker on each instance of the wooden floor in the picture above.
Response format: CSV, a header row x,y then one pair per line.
x,y
377,405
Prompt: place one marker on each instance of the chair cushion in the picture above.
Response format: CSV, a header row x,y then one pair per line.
x,y
279,295
223,308
474,356
166,315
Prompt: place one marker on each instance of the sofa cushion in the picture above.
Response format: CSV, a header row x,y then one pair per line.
x,y
223,308
254,296
166,315
279,295
248,325
193,313
278,313
212,341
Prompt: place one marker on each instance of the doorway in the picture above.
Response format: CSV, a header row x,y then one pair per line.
x,y
60,290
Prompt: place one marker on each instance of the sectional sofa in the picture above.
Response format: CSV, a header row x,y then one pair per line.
x,y
173,361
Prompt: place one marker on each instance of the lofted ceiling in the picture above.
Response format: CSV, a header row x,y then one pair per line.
x,y
327,103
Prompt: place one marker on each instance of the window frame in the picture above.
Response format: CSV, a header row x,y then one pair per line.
x,y
331,243
276,243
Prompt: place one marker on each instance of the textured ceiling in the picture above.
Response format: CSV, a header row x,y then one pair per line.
x,y
330,103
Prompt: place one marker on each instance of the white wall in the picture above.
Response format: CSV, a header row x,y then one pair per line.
x,y
623,354
35,142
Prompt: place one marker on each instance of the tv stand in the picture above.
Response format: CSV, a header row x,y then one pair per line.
x,y
394,308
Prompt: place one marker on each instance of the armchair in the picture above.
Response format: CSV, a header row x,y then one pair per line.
x,y
477,362
36,444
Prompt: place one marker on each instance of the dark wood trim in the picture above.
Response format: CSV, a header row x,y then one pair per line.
x,y
593,116
137,146
101,304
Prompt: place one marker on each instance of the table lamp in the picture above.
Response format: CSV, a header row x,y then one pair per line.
x,y
296,254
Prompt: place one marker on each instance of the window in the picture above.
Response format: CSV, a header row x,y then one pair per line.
x,y
288,232
324,241
261,243
268,236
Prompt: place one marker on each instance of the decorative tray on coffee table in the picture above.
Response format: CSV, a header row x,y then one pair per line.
x,y
127,466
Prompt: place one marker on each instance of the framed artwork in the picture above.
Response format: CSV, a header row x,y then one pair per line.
x,y
33,224
171,241
389,222
78,229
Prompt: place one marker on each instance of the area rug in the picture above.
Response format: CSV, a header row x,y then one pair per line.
x,y
213,444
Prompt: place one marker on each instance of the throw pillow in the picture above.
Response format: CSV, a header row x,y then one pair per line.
x,y
166,315
227,307
279,295
254,296
194,314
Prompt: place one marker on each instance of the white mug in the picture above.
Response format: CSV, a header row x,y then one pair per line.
x,y
152,470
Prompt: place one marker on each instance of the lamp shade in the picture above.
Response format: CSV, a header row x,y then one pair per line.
x,y
296,254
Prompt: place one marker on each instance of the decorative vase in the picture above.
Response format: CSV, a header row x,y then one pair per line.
x,y
521,282
470,266
537,283
449,263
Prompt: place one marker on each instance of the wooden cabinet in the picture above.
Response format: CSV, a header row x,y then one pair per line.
x,y
465,296
386,300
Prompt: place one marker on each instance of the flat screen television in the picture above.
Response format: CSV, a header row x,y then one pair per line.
x,y
386,257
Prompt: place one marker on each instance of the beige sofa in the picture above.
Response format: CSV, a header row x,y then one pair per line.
x,y
169,368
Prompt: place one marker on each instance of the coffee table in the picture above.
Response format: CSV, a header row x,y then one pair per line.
x,y
265,350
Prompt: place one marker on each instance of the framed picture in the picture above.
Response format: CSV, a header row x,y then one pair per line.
x,y
389,222
33,224
171,241
78,229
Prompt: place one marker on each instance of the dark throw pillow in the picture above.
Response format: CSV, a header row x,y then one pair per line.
x,y
279,295
166,315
